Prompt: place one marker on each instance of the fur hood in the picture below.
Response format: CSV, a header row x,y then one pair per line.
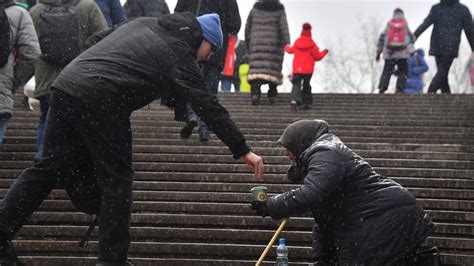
x,y
304,42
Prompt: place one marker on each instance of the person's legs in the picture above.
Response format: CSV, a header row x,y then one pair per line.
x,y
307,93
255,91
109,142
236,82
435,84
187,130
272,93
296,89
295,93
4,119
211,75
447,62
61,144
44,106
402,65
440,80
386,75
226,84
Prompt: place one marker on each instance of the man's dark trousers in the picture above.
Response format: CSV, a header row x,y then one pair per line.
x,y
80,141
212,76
388,71
440,80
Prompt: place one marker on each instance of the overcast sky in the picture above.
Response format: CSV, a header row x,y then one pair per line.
x,y
332,18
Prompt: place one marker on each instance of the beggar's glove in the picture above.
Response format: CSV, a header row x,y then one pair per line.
x,y
260,207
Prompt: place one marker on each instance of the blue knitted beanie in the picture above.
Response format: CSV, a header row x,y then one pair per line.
x,y
211,29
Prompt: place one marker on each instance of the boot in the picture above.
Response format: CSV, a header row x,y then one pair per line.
x,y
255,99
188,129
272,100
293,108
204,135
7,254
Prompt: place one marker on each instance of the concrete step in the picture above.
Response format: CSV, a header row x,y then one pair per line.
x,y
8,175
200,235
240,168
272,133
270,161
442,210
268,147
270,153
205,251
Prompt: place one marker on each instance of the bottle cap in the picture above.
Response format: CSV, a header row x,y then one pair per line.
x,y
282,241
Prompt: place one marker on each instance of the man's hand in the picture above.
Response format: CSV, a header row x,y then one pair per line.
x,y
256,163
260,207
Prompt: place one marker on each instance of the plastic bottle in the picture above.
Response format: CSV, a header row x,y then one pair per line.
x,y
282,253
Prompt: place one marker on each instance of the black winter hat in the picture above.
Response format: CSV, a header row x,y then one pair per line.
x,y
398,10
301,134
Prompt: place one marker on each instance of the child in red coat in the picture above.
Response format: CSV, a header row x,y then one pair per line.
x,y
306,52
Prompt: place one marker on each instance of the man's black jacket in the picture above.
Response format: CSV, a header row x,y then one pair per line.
x,y
449,18
147,59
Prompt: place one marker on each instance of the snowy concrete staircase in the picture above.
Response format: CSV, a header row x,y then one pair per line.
x,y
191,200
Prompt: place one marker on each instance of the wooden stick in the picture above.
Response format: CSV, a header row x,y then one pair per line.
x,y
270,244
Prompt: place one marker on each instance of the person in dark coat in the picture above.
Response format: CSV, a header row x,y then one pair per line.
x,y
449,18
88,131
229,12
266,34
146,8
417,66
113,11
361,217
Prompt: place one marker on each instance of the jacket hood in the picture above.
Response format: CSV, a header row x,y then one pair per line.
x,y
304,42
398,15
269,5
420,52
300,135
448,2
183,26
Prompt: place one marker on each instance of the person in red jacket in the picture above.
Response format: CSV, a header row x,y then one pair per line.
x,y
306,52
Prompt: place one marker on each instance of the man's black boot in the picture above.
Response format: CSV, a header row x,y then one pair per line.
x,y
7,254
204,135
188,129
114,263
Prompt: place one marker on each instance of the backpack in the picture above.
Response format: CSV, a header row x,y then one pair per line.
x,y
58,33
5,45
397,34
84,193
